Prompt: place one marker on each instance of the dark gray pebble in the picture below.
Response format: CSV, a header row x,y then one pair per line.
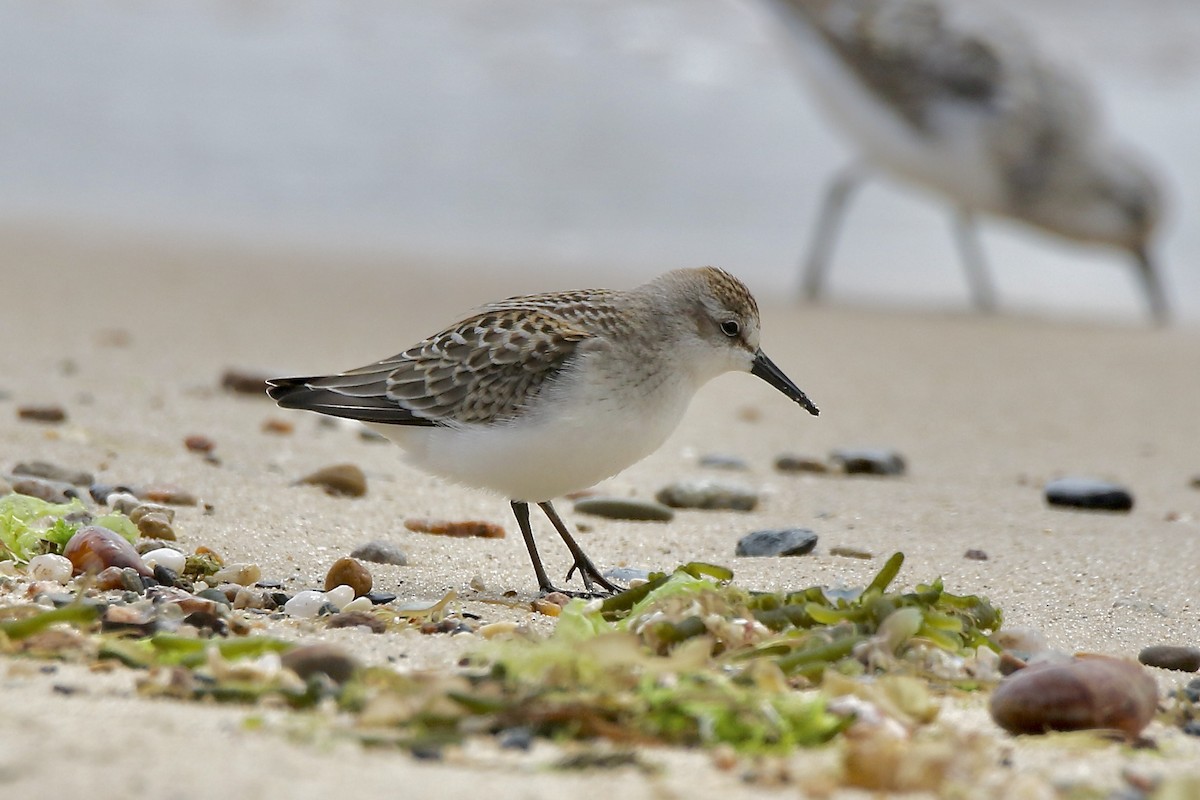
x,y
627,575
789,462
1088,493
166,577
380,552
781,542
975,555
312,659
868,461
1165,656
1192,727
1192,690
216,595
519,738
709,495
379,598
50,491
723,461
53,472
624,508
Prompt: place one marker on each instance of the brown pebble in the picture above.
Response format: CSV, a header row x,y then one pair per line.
x,y
156,526
49,491
312,659
544,606
849,552
463,530
344,480
110,578
349,572
167,493
280,427
1165,656
142,509
94,549
1085,693
354,619
198,443
794,463
49,414
244,381
975,555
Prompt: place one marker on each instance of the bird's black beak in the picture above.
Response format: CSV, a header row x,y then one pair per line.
x,y
765,368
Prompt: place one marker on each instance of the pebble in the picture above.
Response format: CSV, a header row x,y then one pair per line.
x,y
169,494
624,508
198,443
93,549
245,381
379,598
279,427
1165,656
110,578
239,573
50,567
789,462
1076,492
339,596
627,575
49,414
850,552
166,557
1192,690
122,502
1084,693
142,509
781,542
355,619
463,530
53,472
975,555
341,480
156,526
349,572
868,461
723,461
50,491
494,629
380,552
305,605
312,659
709,495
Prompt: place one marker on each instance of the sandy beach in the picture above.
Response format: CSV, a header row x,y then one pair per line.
x,y
984,409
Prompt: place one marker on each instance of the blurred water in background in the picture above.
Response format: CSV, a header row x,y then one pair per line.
x,y
600,140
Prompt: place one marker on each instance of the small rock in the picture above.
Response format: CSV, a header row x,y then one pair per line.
x,y
198,443
305,605
850,552
169,494
136,513
345,480
93,549
1086,692
624,508
48,414
355,619
379,598
53,472
166,557
518,738
789,462
494,629
1088,493
123,502
50,491
110,578
1192,690
723,461
868,461
245,381
339,596
156,526
380,552
164,575
543,606
279,427
783,542
462,530
975,555
50,567
349,572
237,573
311,659
127,618
709,495
1182,659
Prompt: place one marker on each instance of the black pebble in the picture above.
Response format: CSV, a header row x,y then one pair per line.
x,y
1165,656
519,738
975,555
1192,690
1088,493
166,577
379,598
782,542
868,461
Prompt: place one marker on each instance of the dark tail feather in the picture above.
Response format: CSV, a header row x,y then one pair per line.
x,y
307,394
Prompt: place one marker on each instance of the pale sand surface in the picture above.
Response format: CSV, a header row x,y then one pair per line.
x,y
984,409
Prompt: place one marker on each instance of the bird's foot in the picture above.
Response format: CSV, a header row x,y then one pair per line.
x,y
586,594
589,573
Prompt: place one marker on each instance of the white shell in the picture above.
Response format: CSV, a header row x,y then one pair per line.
x,y
166,557
305,605
340,596
50,567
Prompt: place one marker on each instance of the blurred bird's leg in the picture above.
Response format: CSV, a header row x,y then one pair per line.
x,y
1156,296
970,250
829,220
587,570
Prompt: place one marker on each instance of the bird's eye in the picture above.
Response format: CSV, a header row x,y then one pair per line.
x,y
731,328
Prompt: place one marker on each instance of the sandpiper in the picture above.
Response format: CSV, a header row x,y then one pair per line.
x,y
934,93
537,396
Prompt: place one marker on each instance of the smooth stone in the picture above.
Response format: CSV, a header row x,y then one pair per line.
x,y
1192,690
156,526
166,557
1089,493
1165,656
169,494
49,414
239,573
355,619
199,443
305,605
341,480
50,491
123,502
142,509
868,461
53,472
724,461
975,555
709,495
624,508
780,542
797,463
380,552
349,572
50,567
312,659
339,596
379,598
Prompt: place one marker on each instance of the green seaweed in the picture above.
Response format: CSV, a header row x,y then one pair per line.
x,y
24,627
30,526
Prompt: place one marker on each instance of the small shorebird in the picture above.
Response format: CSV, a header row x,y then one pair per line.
x,y
931,92
546,394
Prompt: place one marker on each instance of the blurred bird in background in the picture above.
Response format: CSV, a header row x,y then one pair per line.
x,y
943,96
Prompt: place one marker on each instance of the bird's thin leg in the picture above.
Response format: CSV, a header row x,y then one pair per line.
x,y
966,236
829,220
1156,296
521,512
587,570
